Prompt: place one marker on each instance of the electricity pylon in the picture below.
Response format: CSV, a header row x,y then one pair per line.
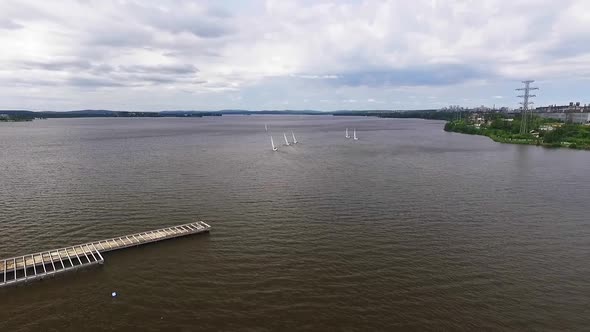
x,y
525,104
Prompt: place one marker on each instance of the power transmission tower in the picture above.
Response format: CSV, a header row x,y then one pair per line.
x,y
525,104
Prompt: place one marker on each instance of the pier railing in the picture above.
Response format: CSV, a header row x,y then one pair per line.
x,y
39,265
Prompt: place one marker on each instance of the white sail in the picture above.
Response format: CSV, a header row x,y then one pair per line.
x,y
294,139
347,136
354,135
274,148
286,140
265,127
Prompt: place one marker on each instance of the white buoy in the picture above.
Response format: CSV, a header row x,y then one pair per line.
x,y
114,294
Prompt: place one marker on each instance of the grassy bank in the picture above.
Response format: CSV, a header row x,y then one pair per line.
x,y
544,133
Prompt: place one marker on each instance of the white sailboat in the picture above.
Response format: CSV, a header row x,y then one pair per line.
x,y
354,135
294,139
347,136
286,140
265,128
274,148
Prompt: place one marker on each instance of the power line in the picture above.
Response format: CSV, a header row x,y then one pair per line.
x,y
525,105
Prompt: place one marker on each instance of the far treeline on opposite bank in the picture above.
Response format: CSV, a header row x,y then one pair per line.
x,y
501,127
26,115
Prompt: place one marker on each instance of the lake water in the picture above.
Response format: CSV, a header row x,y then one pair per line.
x,y
408,228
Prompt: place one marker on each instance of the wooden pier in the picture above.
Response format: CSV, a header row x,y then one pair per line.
x,y
25,268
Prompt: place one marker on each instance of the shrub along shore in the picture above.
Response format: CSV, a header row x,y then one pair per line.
x,y
544,132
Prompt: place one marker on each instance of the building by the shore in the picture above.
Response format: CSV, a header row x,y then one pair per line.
x,y
572,113
572,107
580,118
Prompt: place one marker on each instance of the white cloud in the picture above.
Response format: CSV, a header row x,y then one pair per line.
x,y
197,54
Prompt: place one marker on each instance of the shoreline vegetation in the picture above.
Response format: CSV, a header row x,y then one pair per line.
x,y
544,132
14,119
499,126
23,115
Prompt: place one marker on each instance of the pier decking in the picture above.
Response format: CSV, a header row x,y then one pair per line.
x,y
43,264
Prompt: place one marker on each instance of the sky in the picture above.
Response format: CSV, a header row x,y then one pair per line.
x,y
153,55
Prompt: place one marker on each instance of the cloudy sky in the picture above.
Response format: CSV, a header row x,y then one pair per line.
x,y
309,54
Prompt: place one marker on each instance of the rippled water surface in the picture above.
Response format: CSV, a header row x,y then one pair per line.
x,y
409,227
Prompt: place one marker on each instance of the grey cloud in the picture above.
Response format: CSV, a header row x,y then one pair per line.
x,y
104,75
193,50
430,75
218,12
155,74
30,82
109,80
23,12
569,47
124,36
59,65
178,69
322,52
7,24
93,82
138,75
156,79
140,80
209,23
159,79
102,68
201,27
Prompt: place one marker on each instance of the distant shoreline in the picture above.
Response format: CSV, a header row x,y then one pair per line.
x,y
27,115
